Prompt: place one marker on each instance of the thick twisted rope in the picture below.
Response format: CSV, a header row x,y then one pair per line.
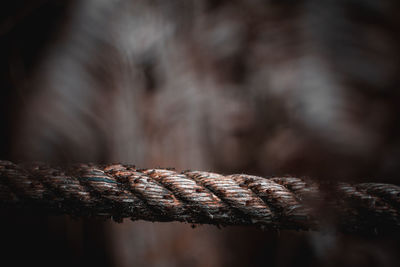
x,y
122,191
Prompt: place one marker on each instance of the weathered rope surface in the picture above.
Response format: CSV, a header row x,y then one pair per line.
x,y
122,191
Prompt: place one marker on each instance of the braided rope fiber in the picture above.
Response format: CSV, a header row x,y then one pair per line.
x,y
122,191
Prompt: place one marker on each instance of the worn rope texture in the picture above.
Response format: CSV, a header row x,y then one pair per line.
x,y
121,191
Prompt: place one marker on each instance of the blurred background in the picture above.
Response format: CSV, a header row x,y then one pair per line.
x,y
264,87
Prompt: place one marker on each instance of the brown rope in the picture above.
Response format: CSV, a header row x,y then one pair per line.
x,y
121,191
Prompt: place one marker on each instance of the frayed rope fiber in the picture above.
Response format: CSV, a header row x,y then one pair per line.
x,y
122,191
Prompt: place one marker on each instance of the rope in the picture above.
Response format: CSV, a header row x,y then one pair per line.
x,y
123,191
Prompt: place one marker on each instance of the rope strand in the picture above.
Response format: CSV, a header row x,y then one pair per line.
x,y
122,191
